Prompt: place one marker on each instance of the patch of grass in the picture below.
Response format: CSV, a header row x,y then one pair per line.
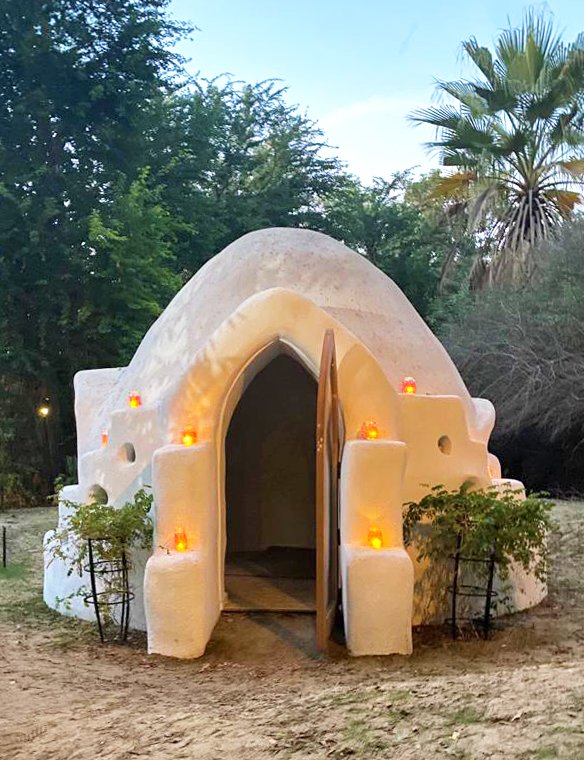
x,y
350,697
28,609
31,611
357,734
399,695
543,753
359,696
466,716
356,731
17,571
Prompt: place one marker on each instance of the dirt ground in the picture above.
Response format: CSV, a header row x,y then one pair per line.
x,y
262,691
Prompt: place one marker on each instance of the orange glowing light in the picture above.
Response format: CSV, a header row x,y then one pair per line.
x,y
408,385
369,431
134,400
180,541
375,537
104,438
189,436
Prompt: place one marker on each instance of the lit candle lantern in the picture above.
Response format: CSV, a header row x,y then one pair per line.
x,y
189,436
134,400
408,385
104,438
180,541
375,537
369,431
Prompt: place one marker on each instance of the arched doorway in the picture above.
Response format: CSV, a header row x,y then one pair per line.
x,y
270,492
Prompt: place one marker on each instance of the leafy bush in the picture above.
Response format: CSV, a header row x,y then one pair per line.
x,y
119,527
115,529
485,519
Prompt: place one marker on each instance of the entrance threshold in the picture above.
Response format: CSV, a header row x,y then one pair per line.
x,y
279,579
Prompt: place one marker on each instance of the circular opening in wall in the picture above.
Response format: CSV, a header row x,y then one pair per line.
x,y
445,444
127,453
97,495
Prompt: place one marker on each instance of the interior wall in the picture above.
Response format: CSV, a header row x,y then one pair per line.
x,y
270,460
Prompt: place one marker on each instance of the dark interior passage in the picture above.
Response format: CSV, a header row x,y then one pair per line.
x,y
270,491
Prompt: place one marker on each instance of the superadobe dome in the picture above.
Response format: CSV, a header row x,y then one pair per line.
x,y
340,281
264,410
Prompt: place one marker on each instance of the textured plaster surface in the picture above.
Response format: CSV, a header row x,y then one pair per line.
x,y
272,292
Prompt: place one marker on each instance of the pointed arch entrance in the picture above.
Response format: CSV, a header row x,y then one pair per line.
x,y
185,593
270,483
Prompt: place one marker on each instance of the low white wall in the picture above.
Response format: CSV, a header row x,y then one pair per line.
x,y
377,584
181,589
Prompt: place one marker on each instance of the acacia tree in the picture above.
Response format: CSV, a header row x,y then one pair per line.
x,y
234,157
515,136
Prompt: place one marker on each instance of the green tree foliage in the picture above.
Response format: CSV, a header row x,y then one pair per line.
x,y
233,158
515,136
404,236
129,253
78,85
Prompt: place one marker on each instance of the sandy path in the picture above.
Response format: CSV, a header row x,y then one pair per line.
x,y
262,691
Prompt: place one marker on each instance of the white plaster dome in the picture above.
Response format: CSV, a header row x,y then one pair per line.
x,y
343,283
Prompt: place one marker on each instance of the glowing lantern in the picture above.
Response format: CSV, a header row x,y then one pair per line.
x,y
369,431
375,537
408,385
180,541
134,400
189,436
104,438
43,411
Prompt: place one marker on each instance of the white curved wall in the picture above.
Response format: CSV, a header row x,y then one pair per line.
x,y
191,371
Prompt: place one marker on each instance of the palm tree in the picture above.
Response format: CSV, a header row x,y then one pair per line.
x,y
515,136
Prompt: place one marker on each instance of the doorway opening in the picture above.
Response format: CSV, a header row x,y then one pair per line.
x,y
270,562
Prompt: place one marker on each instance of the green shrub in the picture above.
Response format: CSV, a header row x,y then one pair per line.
x,y
115,530
485,519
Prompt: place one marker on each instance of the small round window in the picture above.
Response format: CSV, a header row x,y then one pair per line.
x,y
97,495
445,444
127,453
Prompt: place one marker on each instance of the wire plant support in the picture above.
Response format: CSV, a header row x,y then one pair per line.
x,y
458,589
116,592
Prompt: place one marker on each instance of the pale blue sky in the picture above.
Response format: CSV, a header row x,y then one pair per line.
x,y
358,68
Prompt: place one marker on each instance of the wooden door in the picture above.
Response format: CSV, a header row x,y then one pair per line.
x,y
327,467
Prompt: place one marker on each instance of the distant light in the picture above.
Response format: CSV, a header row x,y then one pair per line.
x,y
368,431
375,537
44,410
189,436
408,385
134,400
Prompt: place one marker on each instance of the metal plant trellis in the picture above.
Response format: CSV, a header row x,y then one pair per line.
x,y
467,590
116,591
